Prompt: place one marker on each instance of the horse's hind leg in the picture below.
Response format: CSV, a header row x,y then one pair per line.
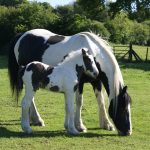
x,y
26,103
35,118
103,117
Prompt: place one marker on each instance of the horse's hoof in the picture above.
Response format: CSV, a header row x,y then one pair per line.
x,y
108,126
111,128
81,128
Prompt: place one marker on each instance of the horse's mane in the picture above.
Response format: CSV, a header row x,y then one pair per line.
x,y
106,48
103,40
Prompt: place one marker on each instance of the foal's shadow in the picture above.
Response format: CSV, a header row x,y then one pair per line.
x,y
4,132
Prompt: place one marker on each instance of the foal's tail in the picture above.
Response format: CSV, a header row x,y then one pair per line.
x,y
13,67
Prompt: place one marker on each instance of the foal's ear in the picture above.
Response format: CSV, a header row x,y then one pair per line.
x,y
84,52
124,89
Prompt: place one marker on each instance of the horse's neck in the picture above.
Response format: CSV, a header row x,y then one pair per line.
x,y
116,84
115,80
108,64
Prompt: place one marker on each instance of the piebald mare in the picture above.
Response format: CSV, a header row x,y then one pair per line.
x,y
50,48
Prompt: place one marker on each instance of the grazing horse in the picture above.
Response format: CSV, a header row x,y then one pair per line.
x,y
64,78
47,47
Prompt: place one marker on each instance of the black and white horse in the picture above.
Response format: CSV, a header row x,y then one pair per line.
x,y
64,78
47,47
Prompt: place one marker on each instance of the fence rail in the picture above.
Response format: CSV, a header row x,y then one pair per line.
x,y
130,54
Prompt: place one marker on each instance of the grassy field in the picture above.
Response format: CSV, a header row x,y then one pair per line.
x,y
51,106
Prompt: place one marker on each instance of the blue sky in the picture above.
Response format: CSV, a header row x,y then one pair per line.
x,y
56,2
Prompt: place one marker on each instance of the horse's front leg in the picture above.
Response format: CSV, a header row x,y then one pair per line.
x,y
69,117
78,120
103,117
35,118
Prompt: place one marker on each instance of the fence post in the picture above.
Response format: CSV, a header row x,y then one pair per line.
x,y
130,52
146,54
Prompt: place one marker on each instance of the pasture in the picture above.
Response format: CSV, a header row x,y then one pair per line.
x,y
51,107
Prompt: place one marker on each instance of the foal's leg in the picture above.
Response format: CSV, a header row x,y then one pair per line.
x,y
35,118
26,103
103,117
69,118
78,120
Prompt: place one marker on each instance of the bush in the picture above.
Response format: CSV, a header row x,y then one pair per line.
x,y
24,17
99,28
120,28
140,33
72,24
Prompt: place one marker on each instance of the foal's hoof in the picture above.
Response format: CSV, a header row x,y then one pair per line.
x,y
27,130
73,132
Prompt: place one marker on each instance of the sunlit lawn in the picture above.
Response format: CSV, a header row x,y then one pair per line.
x,y
51,107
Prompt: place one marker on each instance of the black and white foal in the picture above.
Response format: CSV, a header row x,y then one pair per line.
x,y
62,78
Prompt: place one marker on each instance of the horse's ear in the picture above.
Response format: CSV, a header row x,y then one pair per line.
x,y
124,89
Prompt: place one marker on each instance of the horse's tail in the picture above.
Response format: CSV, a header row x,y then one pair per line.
x,y
19,86
13,66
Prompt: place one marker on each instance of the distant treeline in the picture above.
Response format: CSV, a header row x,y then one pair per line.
x,y
118,22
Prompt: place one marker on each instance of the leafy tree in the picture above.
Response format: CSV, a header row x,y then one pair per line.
x,y
120,28
137,9
94,9
12,2
65,10
100,29
4,26
140,33
24,17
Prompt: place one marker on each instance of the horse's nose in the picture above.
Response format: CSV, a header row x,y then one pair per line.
x,y
128,133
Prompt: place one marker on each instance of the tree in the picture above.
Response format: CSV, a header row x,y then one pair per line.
x,y
94,9
24,17
137,9
12,2
120,28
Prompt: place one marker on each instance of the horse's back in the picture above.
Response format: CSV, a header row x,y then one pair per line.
x,y
45,46
32,44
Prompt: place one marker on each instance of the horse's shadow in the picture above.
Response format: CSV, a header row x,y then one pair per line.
x,y
9,122
6,133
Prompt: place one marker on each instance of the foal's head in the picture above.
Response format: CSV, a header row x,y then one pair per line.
x,y
122,115
89,64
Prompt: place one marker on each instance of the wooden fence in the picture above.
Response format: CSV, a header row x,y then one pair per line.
x,y
129,54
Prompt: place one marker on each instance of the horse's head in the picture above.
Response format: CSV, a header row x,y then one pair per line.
x,y
89,64
121,114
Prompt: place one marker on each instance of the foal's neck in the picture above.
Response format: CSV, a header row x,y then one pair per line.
x,y
73,59
74,62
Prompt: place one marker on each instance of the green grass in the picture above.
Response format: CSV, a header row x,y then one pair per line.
x,y
51,107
